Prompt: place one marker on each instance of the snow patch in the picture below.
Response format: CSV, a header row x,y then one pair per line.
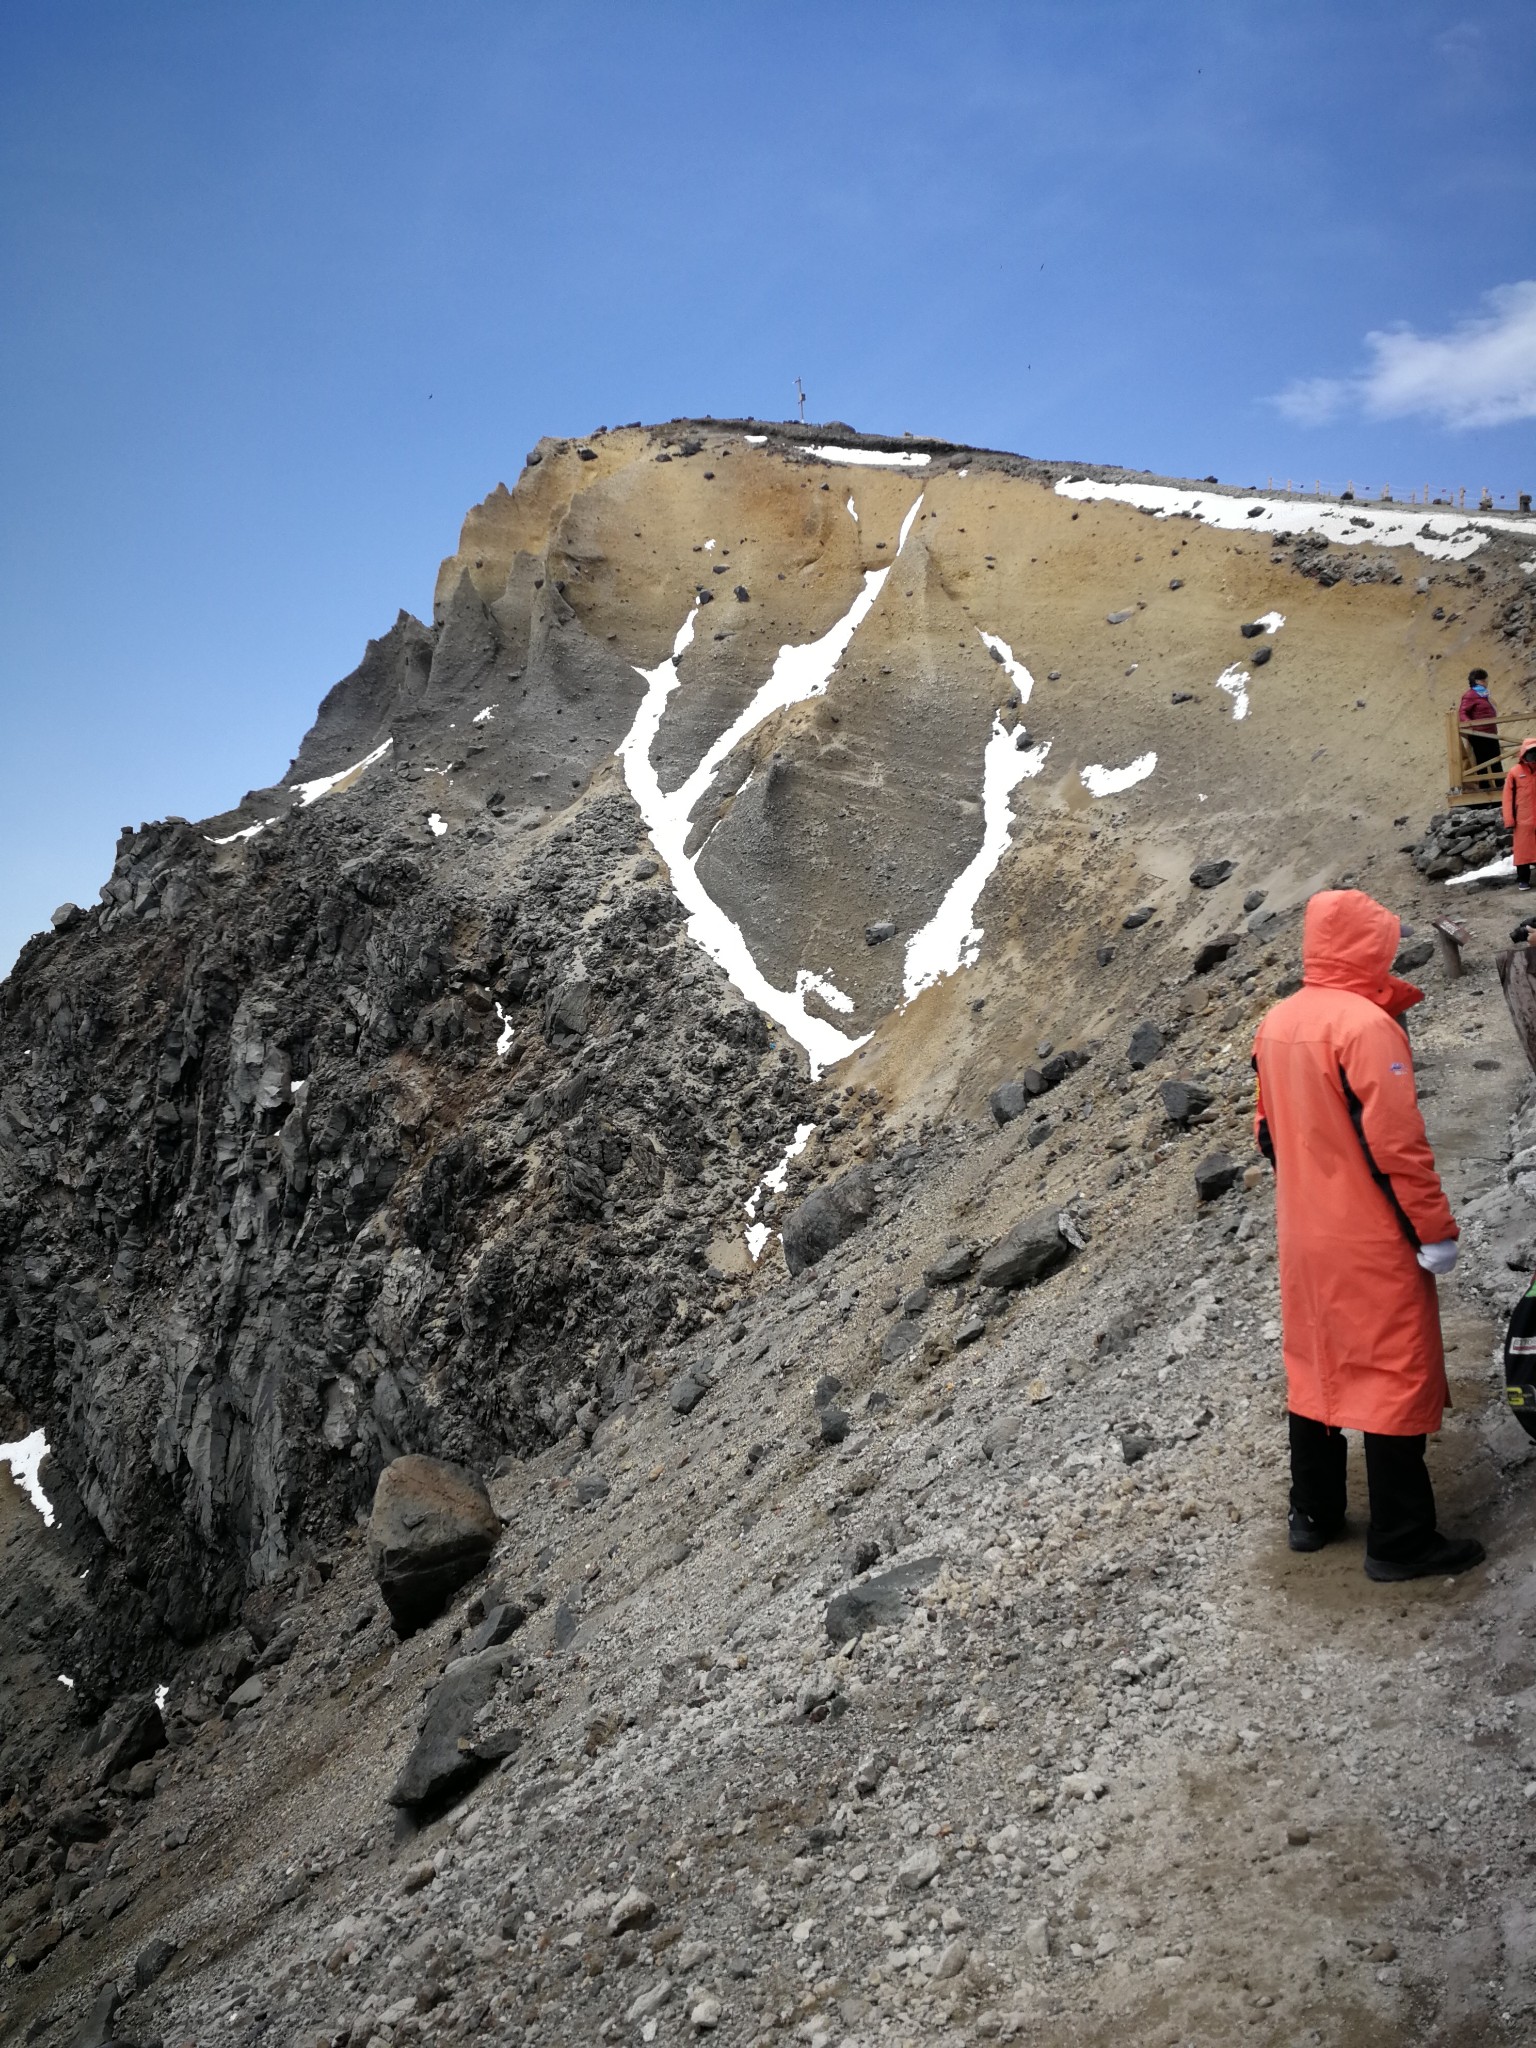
x,y
24,1457
1235,681
504,1041
162,1694
484,717
1271,621
65,1680
435,825
1014,669
311,792
249,832
798,673
873,458
756,440
1445,536
772,1182
807,983
1099,781
853,512
709,547
1493,872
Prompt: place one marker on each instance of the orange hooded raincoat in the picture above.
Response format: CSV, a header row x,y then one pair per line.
x,y
1520,804
1356,1191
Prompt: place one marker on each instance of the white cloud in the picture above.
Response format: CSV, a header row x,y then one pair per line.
x,y
1481,374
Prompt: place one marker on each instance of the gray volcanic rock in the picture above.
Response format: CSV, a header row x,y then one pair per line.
x,y
1146,1043
1210,874
1009,1099
130,1731
432,1528
1183,1099
880,1602
1217,1172
827,1216
443,1756
1034,1247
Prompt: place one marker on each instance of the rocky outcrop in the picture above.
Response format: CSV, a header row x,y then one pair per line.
x,y
317,1149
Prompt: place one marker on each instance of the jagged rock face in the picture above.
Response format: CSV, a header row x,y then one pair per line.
x,y
275,1208
397,1109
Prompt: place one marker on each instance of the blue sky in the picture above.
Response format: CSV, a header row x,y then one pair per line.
x,y
287,287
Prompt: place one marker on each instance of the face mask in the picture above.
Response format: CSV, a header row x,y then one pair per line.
x,y
1481,689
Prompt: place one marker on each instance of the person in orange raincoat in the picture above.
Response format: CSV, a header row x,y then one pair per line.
x,y
1520,810
1363,1228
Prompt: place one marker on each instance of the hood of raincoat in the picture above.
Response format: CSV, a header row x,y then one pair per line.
x,y
1527,748
1348,941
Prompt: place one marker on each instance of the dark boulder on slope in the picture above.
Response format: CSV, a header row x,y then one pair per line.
x,y
432,1528
1034,1247
827,1217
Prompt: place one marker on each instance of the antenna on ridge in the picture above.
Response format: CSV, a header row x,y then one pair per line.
x,y
800,393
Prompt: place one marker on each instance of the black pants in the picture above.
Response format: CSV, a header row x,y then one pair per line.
x,y
1523,875
1402,1526
1487,756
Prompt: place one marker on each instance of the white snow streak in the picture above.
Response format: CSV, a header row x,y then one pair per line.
x,y
504,1042
874,458
1446,536
65,1680
24,1457
798,672
162,1694
1271,621
1111,781
311,792
772,1182
951,938
756,440
1235,681
249,832
807,983
1014,669
709,547
435,825
484,717
853,512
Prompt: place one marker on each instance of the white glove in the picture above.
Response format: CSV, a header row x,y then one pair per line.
x,y
1438,1258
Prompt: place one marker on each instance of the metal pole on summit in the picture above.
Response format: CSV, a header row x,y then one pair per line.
x,y
800,392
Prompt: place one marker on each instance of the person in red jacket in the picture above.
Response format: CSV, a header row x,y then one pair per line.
x,y
1478,719
1520,810
1363,1228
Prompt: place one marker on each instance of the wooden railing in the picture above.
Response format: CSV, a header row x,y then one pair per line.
x,y
1467,780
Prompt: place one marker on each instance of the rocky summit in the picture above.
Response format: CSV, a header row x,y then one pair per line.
x,y
653,1310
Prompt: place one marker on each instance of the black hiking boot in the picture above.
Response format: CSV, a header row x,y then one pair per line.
x,y
1448,1556
1305,1534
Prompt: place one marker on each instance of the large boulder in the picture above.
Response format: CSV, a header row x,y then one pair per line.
x,y
827,1216
1035,1246
432,1528
130,1730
